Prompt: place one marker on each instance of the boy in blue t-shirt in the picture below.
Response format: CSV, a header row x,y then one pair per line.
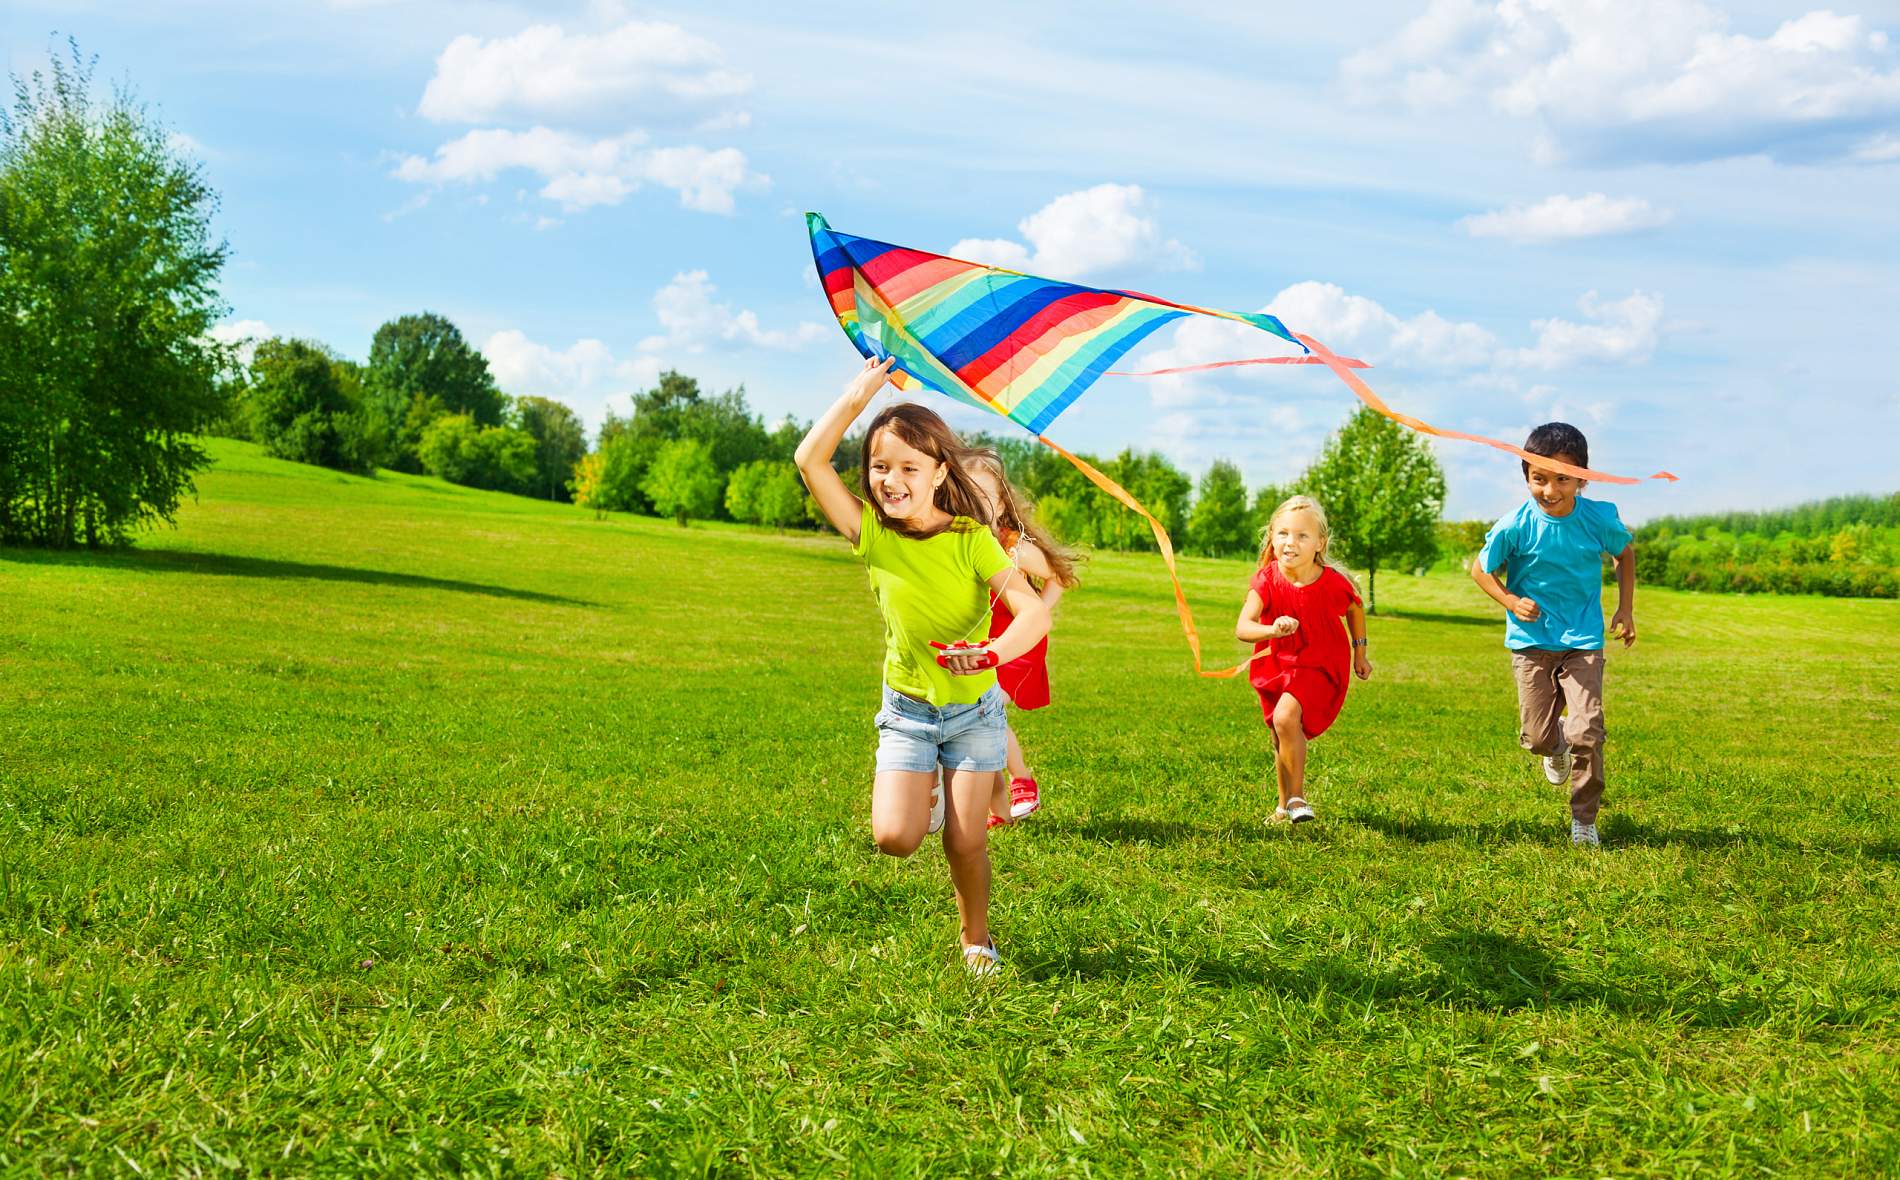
x,y
1551,554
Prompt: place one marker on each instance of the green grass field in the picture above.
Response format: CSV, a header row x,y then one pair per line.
x,y
380,826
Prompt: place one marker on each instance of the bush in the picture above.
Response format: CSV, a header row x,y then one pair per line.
x,y
494,458
682,482
305,404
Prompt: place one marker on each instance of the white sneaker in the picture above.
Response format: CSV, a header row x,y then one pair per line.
x,y
1557,767
936,808
982,961
1584,835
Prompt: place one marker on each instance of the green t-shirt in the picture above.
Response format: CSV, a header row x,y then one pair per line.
x,y
931,589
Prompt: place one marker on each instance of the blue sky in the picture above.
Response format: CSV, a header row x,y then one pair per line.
x,y
1673,224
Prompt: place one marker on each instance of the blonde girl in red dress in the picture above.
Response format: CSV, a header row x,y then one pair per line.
x,y
1051,568
1292,615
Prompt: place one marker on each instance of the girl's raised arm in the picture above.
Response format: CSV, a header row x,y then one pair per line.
x,y
813,457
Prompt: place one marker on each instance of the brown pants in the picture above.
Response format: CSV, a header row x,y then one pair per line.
x,y
1547,682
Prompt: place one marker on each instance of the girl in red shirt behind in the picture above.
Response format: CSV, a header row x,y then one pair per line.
x,y
1050,567
1302,653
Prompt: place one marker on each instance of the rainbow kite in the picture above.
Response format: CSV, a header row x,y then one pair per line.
x,y
1027,347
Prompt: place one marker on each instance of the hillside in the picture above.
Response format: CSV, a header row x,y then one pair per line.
x,y
379,825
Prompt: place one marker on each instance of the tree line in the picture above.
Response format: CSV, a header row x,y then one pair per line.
x,y
425,401
1848,546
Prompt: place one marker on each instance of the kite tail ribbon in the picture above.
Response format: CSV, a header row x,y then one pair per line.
x,y
1342,368
1347,361
1167,555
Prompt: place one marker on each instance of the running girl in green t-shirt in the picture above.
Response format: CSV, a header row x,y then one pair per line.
x,y
936,570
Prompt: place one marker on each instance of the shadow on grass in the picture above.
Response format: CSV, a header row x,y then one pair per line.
x,y
1618,831
176,561
1471,970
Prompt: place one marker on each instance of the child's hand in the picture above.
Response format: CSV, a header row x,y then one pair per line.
x,y
965,659
1361,664
1623,625
1526,610
1284,626
869,380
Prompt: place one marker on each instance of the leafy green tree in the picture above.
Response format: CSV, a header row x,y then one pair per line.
x,y
108,291
495,458
559,442
768,492
682,482
1157,484
1383,491
742,491
586,484
781,498
1220,524
733,436
783,442
1265,500
305,404
421,368
616,470
1460,540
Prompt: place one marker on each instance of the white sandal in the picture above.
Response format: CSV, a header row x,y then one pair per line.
x,y
937,794
981,960
1298,811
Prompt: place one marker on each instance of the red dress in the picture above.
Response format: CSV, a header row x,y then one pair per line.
x,y
1025,678
1315,662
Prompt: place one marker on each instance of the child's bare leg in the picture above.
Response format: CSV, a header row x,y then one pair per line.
x,y
966,847
1018,765
900,809
1289,748
1018,768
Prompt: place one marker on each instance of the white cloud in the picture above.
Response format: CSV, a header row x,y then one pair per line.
x,y
1560,216
693,317
1622,331
1625,330
1354,322
545,73
579,171
1095,229
522,366
585,375
1661,81
246,334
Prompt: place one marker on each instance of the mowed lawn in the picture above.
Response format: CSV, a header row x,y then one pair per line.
x,y
379,826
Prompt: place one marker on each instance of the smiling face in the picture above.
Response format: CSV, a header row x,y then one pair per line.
x,y
1297,542
1555,492
904,480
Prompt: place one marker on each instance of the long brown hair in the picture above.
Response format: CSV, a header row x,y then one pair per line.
x,y
1015,512
1309,505
921,429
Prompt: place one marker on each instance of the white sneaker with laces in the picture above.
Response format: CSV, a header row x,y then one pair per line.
x,y
1584,835
937,794
1557,767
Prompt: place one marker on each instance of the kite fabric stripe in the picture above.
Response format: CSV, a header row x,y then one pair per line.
x,y
1027,348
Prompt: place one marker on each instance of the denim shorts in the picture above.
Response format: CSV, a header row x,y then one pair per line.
x,y
918,736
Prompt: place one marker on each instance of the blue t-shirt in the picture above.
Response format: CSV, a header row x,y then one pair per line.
x,y
1556,562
